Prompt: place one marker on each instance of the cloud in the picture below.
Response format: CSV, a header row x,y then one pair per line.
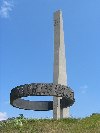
x,y
83,89
3,116
5,8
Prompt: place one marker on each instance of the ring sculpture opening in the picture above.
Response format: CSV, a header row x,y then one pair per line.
x,y
40,89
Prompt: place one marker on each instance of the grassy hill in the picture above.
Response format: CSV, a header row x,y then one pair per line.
x,y
21,125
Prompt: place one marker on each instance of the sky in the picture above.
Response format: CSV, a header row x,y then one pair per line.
x,y
26,51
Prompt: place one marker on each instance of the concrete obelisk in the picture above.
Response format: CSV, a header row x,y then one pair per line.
x,y
60,75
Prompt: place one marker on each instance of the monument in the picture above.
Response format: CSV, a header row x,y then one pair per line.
x,y
63,96
60,76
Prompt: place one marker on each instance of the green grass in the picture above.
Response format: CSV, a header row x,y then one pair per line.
x,y
71,125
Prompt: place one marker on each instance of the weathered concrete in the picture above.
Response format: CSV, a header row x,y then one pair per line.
x,y
40,89
60,76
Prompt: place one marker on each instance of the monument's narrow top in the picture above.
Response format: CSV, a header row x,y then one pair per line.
x,y
58,18
58,11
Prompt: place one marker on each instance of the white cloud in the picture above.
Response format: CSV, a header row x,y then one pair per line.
x,y
83,89
5,8
3,116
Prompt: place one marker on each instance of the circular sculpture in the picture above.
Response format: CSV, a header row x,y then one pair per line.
x,y
39,89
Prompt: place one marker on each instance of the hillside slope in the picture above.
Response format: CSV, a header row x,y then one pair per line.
x,y
21,125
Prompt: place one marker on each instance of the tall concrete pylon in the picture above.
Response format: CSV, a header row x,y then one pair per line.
x,y
59,75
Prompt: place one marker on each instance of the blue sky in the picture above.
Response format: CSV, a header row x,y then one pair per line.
x,y
26,51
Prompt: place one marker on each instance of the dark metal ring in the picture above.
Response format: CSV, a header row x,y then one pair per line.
x,y
39,89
